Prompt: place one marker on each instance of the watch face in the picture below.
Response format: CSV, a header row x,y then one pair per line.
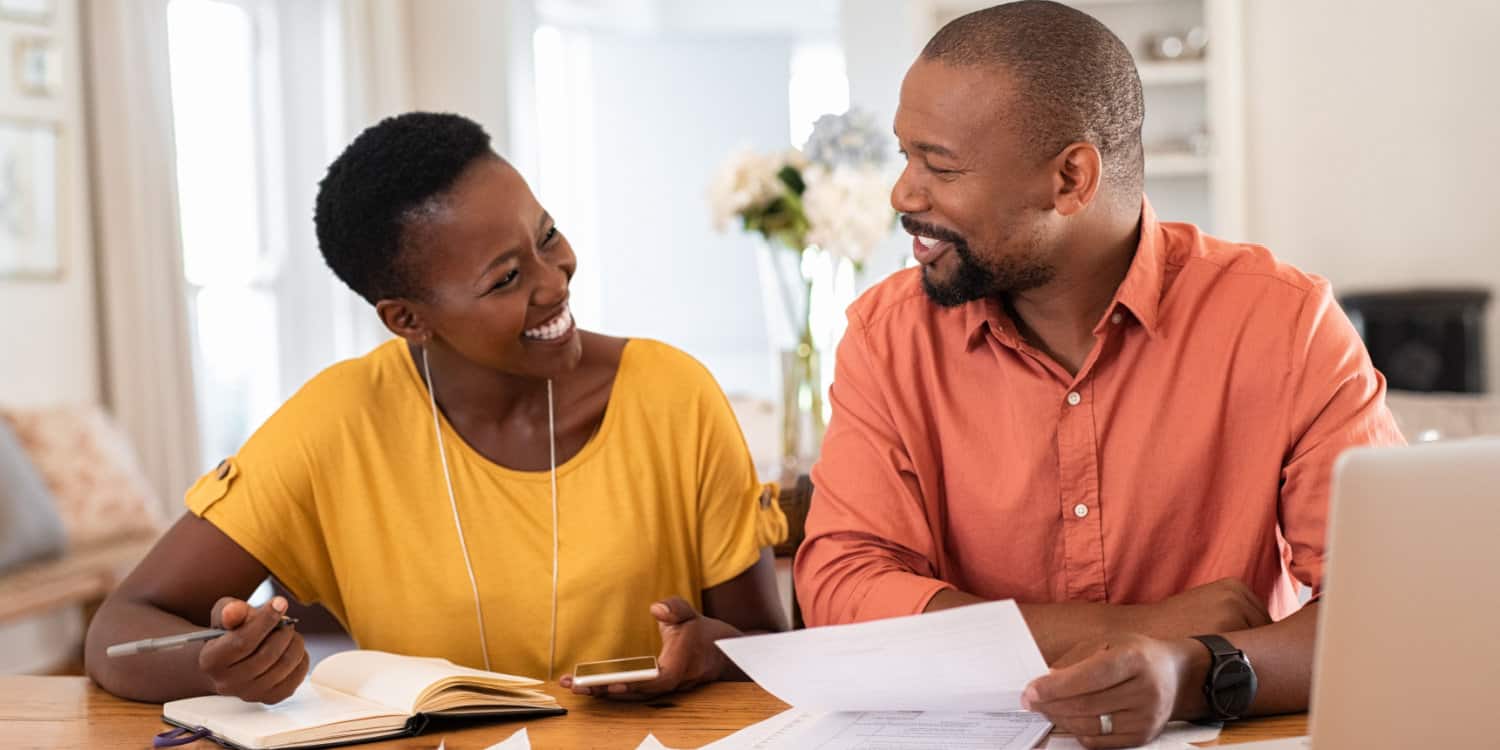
x,y
1233,687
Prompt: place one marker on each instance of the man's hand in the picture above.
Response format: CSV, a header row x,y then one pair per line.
x,y
688,655
1224,606
256,661
1140,682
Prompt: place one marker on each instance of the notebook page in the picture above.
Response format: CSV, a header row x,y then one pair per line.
x,y
259,725
401,681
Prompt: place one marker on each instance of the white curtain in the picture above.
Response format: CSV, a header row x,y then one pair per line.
x,y
401,55
148,365
375,74
376,57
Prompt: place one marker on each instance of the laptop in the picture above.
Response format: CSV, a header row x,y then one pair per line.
x,y
1409,633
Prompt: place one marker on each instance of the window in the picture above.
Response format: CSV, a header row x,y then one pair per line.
x,y
818,86
566,161
219,52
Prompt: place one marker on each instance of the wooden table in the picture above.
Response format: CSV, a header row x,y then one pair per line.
x,y
69,712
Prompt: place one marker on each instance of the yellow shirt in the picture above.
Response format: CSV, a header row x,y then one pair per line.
x,y
341,495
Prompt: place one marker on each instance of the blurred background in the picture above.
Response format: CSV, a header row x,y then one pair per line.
x,y
163,291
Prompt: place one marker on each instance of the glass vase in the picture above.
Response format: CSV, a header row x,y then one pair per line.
x,y
801,408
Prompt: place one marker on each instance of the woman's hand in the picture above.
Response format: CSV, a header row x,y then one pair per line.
x,y
688,655
257,660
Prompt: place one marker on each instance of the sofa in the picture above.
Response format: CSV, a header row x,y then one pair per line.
x,y
76,514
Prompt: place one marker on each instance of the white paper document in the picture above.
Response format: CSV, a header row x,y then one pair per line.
x,y
518,741
779,727
1072,743
1189,732
1178,735
651,743
889,730
974,658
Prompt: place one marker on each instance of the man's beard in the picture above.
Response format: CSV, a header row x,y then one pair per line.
x,y
973,279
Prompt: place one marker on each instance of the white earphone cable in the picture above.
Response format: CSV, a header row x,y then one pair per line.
x,y
552,441
463,546
458,524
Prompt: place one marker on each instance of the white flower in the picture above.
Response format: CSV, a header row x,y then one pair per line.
x,y
848,209
850,138
746,181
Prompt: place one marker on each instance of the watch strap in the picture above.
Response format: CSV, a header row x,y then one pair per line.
x,y
1219,646
1225,653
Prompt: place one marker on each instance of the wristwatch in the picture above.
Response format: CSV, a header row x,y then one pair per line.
x,y
1231,682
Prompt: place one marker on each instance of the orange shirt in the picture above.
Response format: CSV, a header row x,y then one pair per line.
x,y
1196,442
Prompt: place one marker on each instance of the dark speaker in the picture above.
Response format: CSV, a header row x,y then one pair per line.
x,y
1424,340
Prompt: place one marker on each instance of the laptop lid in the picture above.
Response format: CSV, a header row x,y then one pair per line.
x,y
1409,629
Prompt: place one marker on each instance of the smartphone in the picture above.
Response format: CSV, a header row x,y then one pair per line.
x,y
613,671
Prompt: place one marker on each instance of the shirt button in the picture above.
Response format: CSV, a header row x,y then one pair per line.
x,y
1116,318
1074,398
1080,510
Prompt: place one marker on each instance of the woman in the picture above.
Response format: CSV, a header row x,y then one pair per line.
x,y
493,486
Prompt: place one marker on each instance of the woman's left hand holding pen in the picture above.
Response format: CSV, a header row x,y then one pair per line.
x,y
256,660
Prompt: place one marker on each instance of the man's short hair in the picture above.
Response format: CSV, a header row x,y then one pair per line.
x,y
1076,81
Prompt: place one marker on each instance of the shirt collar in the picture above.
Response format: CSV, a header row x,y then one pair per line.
x,y
1140,292
983,315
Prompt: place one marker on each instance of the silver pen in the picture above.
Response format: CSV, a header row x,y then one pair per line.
x,y
147,645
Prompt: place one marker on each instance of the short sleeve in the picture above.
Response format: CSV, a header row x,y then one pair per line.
x,y
733,524
771,526
263,499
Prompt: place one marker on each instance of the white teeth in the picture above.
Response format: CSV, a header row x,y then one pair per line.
x,y
928,242
552,329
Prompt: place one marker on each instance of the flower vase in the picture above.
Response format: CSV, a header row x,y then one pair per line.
x,y
801,407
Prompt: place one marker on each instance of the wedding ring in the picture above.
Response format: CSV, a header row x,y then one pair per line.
x,y
1106,724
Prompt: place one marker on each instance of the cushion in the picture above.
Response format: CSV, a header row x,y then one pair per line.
x,y
87,463
30,527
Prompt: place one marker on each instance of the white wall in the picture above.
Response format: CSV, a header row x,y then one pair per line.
x,y
49,344
1372,140
668,109
460,60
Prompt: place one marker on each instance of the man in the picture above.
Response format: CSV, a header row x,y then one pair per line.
x,y
1123,424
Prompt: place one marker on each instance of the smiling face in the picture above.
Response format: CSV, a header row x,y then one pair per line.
x,y
977,200
494,272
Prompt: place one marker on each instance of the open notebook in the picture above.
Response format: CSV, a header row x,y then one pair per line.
x,y
357,696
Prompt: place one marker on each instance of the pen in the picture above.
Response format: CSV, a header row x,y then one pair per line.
x,y
165,642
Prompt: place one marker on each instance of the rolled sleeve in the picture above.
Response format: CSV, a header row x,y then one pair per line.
x,y
1338,402
869,551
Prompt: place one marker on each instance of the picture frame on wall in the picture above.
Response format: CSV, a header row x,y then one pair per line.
x,y
35,11
29,247
37,66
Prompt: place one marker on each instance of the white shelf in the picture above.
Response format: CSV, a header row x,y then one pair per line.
x,y
1172,73
1169,164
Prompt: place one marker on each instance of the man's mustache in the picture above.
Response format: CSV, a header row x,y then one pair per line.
x,y
912,226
